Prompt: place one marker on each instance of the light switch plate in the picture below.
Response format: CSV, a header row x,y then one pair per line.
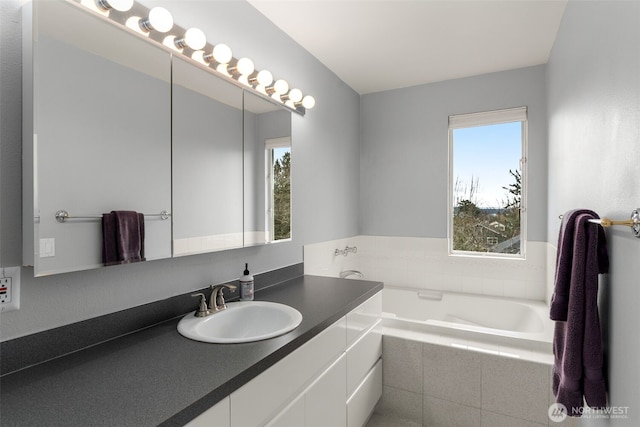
x,y
47,248
9,289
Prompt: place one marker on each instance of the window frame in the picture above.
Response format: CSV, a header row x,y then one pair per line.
x,y
488,118
269,145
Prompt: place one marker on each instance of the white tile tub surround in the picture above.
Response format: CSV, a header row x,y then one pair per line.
x,y
439,385
425,263
320,258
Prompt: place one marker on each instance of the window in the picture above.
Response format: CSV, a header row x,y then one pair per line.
x,y
278,191
487,182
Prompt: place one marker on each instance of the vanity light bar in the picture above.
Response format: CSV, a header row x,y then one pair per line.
x,y
157,25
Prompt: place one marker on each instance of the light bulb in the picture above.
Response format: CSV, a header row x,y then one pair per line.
x,y
170,42
159,20
199,56
281,87
133,23
119,5
295,95
264,78
194,38
245,66
92,5
222,53
308,102
222,69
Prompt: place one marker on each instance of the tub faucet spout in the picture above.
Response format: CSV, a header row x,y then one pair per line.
x,y
348,273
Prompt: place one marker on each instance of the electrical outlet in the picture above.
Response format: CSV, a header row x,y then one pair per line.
x,y
9,289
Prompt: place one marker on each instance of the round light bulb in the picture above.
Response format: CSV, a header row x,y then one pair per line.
x,y
265,78
133,23
194,38
159,19
119,5
308,102
295,95
222,53
281,87
199,56
245,66
222,69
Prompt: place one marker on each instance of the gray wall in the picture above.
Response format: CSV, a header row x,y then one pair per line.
x,y
404,150
594,133
325,144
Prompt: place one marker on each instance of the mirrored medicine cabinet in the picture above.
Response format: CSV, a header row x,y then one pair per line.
x,y
112,121
267,171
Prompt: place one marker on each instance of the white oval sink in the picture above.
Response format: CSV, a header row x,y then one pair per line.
x,y
242,321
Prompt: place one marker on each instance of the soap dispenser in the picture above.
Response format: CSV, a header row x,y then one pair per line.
x,y
246,285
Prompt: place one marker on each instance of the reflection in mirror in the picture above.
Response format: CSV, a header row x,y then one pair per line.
x,y
96,136
207,161
267,171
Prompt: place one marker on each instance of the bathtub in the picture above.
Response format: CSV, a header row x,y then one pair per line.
x,y
503,326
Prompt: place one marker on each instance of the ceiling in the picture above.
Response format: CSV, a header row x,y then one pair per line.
x,y
377,45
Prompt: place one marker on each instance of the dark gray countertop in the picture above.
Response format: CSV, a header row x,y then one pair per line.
x,y
157,377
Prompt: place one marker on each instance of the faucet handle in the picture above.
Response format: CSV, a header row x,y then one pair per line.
x,y
202,310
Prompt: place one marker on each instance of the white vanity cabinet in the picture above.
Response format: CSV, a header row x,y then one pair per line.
x,y
261,399
335,379
364,366
216,416
321,404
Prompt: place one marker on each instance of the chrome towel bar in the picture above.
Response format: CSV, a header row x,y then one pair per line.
x,y
63,216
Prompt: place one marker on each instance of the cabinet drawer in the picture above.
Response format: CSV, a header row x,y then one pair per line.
x,y
363,317
268,393
361,403
362,355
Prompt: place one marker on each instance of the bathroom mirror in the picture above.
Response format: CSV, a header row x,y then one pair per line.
x,y
267,171
97,120
207,161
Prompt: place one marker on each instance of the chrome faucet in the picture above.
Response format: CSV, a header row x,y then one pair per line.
x,y
216,300
348,273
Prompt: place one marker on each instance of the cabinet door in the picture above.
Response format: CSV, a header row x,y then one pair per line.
x,y
216,416
206,160
291,416
325,400
97,136
279,384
